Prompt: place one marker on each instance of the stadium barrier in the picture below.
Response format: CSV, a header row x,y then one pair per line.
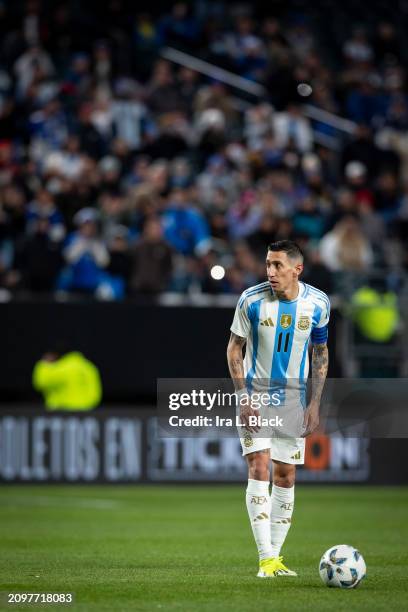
x,y
114,445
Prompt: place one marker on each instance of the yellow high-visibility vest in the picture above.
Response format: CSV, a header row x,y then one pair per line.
x,y
72,382
375,314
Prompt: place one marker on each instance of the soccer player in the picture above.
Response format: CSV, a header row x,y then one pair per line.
x,y
276,319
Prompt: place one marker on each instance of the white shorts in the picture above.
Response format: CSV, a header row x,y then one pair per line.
x,y
287,450
285,442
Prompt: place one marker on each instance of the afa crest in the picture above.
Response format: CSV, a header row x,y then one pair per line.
x,y
248,441
304,322
286,321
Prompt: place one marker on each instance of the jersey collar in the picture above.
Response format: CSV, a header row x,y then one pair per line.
x,y
301,292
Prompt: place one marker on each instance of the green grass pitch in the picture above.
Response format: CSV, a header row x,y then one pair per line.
x,y
190,548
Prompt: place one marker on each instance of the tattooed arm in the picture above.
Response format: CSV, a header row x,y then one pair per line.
x,y
320,364
236,368
235,360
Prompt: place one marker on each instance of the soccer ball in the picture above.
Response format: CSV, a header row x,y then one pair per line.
x,y
342,566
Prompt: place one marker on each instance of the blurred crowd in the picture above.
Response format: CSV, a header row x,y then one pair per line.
x,y
123,174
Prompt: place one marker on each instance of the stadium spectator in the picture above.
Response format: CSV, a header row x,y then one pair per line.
x,y
185,228
48,128
357,48
179,27
78,78
309,220
244,216
151,260
91,116
34,63
7,248
90,139
172,137
216,176
87,256
163,93
145,43
129,115
120,261
38,258
345,248
291,127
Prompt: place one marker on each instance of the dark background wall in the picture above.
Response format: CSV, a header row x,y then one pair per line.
x,y
132,344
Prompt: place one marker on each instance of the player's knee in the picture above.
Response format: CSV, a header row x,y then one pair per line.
x,y
284,481
284,476
258,467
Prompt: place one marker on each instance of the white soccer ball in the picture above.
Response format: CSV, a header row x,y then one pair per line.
x,y
342,566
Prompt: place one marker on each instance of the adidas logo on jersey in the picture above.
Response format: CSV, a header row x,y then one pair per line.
x,y
296,456
267,322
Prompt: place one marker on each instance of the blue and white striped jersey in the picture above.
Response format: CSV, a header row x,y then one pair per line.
x,y
278,334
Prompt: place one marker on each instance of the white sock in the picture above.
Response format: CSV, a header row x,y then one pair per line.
x,y
258,502
282,501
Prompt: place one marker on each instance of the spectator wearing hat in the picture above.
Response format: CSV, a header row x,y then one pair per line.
x,y
87,257
357,181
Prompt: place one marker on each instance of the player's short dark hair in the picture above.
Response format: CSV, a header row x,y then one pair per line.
x,y
287,246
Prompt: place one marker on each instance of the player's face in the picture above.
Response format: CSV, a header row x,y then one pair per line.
x,y
282,271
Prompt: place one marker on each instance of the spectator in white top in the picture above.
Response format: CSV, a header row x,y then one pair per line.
x,y
128,114
291,127
258,125
34,62
357,48
69,163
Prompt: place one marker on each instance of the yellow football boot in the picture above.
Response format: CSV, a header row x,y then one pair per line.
x,y
274,568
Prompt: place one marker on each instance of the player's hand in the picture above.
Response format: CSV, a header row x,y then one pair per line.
x,y
245,412
311,419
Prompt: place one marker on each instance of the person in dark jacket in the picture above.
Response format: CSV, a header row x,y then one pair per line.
x,y
152,260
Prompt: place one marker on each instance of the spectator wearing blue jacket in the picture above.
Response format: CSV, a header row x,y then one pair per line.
x,y
185,228
87,256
